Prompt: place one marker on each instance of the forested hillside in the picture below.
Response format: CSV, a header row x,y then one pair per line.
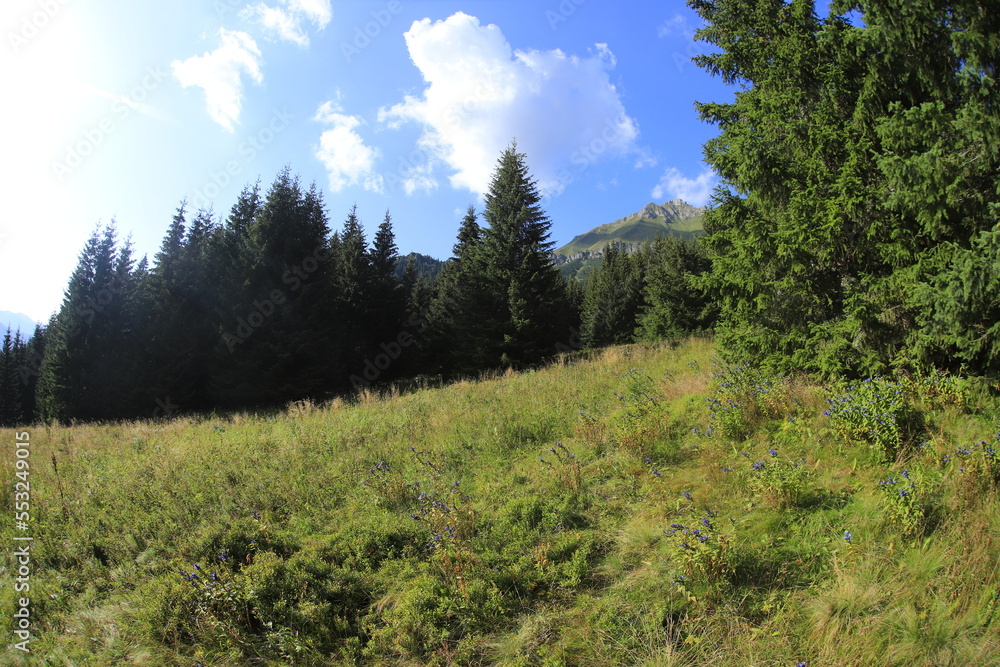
x,y
854,232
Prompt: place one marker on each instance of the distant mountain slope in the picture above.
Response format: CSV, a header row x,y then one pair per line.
x,y
426,266
675,217
16,321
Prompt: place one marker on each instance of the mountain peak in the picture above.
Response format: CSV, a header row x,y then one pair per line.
x,y
675,217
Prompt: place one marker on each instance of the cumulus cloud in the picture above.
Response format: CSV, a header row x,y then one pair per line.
x,y
286,22
480,94
348,161
219,74
695,191
317,11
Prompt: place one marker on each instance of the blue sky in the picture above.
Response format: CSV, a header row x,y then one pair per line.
x,y
121,110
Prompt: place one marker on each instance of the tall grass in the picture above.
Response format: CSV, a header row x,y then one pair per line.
x,y
639,505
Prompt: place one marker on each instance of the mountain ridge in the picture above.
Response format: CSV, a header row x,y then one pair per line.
x,y
674,217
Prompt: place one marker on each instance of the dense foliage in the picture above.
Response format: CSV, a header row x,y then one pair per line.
x,y
856,225
269,306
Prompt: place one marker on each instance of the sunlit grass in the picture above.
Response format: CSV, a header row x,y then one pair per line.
x,y
517,519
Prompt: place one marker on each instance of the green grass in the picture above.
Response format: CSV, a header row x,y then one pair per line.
x,y
542,518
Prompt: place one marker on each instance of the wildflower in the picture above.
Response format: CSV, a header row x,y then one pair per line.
x,y
656,473
725,470
759,465
687,495
848,537
647,460
197,567
703,538
773,452
707,523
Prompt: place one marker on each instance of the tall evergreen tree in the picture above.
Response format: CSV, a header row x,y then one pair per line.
x,y
385,289
29,363
523,300
10,386
672,304
83,375
857,189
612,298
456,306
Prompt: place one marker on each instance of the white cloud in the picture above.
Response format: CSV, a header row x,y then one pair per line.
x,y
317,11
219,74
695,191
287,23
277,21
348,161
419,178
563,110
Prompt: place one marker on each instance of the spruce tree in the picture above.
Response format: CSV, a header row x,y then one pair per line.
x,y
84,374
673,306
10,385
854,227
450,343
521,294
612,297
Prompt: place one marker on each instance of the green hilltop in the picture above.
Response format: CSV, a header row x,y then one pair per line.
x,y
675,217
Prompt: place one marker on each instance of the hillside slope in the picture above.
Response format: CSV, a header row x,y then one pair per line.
x,y
640,505
673,217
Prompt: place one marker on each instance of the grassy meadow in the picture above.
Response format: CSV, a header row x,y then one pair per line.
x,y
639,505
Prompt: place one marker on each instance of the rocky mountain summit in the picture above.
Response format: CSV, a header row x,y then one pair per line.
x,y
675,217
